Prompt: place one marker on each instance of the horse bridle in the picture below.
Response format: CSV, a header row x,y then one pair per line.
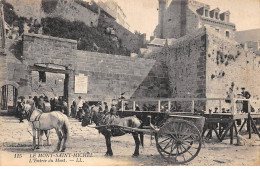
x,y
28,112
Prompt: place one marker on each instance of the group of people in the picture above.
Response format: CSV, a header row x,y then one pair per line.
x,y
42,103
79,108
241,105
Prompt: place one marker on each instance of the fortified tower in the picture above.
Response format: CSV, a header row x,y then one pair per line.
x,y
162,9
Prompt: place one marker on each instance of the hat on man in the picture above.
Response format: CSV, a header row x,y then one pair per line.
x,y
243,88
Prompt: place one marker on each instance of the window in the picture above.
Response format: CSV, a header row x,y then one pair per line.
x,y
227,34
206,13
42,76
217,30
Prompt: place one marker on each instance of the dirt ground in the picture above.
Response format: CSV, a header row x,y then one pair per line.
x,y
16,149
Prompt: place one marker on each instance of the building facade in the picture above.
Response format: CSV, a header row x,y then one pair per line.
x,y
178,18
113,9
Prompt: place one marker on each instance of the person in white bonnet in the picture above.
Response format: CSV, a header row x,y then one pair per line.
x,y
80,103
79,108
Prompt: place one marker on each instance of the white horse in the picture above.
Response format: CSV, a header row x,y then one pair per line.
x,y
45,121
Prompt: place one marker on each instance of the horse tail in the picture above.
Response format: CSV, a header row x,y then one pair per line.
x,y
65,128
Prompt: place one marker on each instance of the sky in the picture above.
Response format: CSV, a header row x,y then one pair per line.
x,y
142,15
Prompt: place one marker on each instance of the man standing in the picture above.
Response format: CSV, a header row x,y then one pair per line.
x,y
113,110
230,96
30,101
73,108
246,95
20,105
106,108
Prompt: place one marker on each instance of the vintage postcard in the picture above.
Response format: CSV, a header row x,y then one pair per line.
x,y
129,82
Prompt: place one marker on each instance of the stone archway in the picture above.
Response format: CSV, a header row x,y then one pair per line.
x,y
9,94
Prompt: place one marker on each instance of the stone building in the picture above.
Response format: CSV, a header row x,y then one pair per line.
x,y
52,66
202,58
35,64
187,63
112,8
178,18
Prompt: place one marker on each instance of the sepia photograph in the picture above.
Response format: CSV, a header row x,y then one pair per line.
x,y
129,82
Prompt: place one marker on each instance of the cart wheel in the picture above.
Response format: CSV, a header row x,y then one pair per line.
x,y
178,141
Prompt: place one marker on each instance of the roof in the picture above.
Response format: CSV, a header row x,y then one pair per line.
x,y
252,35
160,42
157,42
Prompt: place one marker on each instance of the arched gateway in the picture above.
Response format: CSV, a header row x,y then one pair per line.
x,y
8,96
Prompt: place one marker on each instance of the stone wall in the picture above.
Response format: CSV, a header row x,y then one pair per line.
x,y
111,75
156,84
187,68
75,12
12,70
54,85
171,21
178,20
46,49
70,11
108,75
41,49
128,39
28,8
228,62
220,27
193,20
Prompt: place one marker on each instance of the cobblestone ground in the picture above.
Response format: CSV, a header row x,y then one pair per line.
x,y
15,138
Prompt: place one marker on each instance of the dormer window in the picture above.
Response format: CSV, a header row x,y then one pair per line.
x,y
225,16
214,13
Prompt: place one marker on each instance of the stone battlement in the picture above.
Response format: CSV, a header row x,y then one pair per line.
x,y
48,37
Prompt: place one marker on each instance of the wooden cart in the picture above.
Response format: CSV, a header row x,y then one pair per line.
x,y
178,140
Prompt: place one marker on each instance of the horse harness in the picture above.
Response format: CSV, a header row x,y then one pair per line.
x,y
37,119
